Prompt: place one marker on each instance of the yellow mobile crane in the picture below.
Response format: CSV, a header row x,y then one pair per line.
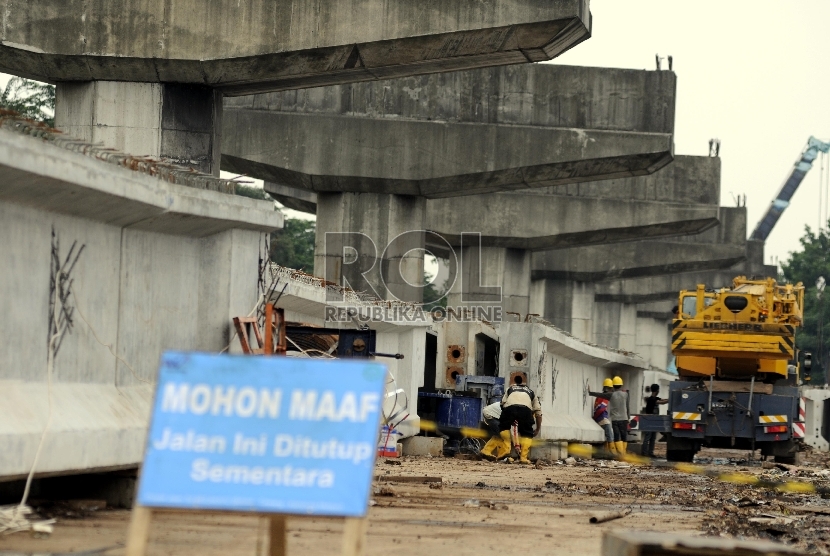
x,y
738,370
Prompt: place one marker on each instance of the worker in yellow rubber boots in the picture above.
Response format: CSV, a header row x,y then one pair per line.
x,y
521,407
618,413
601,414
499,444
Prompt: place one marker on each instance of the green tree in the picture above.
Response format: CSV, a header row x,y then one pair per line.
x,y
293,246
434,296
31,99
252,192
806,266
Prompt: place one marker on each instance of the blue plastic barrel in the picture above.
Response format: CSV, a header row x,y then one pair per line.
x,y
458,411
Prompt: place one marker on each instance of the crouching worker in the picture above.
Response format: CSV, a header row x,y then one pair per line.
x,y
521,406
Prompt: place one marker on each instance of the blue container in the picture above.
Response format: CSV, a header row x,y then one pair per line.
x,y
458,411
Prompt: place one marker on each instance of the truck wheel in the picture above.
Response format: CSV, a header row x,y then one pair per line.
x,y
686,456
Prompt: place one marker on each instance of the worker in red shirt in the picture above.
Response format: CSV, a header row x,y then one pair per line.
x,y
601,416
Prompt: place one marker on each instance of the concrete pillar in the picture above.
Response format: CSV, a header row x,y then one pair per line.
x,y
493,276
653,339
615,325
178,123
372,242
566,304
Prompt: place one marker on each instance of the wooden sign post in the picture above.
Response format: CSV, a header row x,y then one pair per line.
x,y
354,534
258,435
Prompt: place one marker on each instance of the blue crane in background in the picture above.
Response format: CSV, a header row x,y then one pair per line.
x,y
782,200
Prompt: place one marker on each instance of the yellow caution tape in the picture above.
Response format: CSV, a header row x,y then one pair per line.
x,y
794,486
738,478
689,468
581,450
587,451
474,433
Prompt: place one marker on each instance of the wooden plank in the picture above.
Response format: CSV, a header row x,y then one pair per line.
x,y
268,346
139,531
740,386
354,536
277,535
621,542
242,333
405,479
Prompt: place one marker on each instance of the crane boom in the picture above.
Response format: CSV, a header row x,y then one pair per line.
x,y
782,200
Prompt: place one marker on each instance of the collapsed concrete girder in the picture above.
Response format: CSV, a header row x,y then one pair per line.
x,y
718,248
285,44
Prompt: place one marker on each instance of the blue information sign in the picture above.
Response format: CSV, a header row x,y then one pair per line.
x,y
265,434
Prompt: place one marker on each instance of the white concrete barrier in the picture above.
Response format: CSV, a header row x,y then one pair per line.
x,y
164,266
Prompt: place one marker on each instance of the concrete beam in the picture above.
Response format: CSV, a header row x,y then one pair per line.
x,y
688,179
286,44
293,198
326,154
659,288
721,247
460,133
44,176
540,222
543,95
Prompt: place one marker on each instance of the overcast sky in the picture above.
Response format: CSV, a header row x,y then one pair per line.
x,y
755,74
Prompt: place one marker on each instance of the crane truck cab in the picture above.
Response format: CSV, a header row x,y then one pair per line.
x,y
734,349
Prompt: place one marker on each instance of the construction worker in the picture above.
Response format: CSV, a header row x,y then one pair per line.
x,y
651,409
618,413
601,414
491,414
519,405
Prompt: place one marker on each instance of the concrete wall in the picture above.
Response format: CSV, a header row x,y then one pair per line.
x,y
561,370
142,293
164,267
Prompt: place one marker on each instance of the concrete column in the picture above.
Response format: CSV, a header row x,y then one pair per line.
x,y
615,325
653,340
174,122
566,304
493,276
372,242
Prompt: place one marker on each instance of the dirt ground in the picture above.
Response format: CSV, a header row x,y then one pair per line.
x,y
496,507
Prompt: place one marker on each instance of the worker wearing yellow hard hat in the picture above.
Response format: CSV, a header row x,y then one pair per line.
x,y
601,415
617,413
